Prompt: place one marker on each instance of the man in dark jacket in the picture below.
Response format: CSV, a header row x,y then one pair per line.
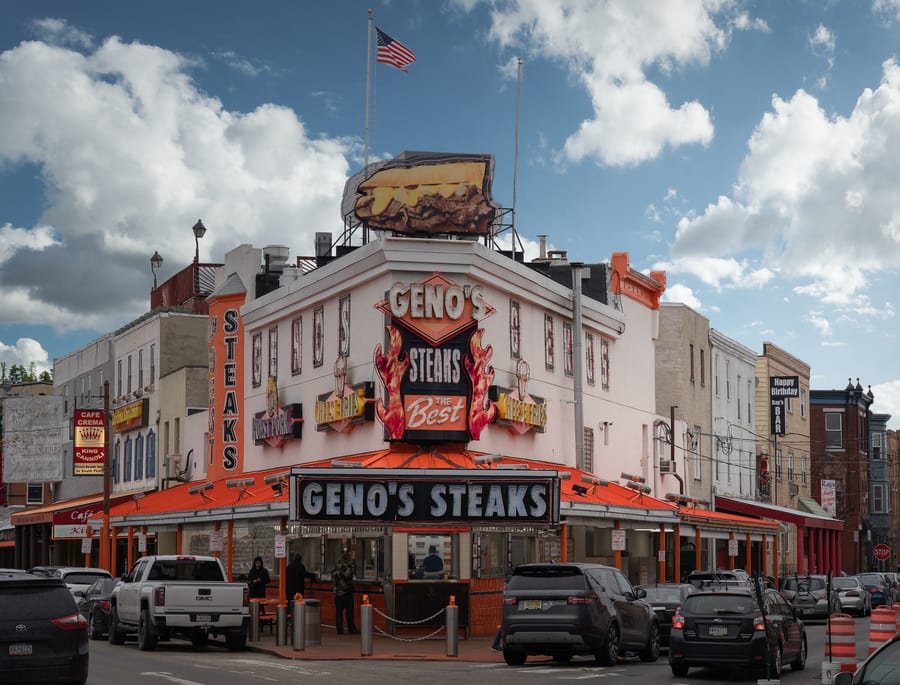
x,y
295,581
258,578
342,575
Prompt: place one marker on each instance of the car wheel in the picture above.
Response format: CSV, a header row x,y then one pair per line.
x,y
680,670
651,651
800,663
609,655
116,635
146,636
93,632
513,656
236,642
775,658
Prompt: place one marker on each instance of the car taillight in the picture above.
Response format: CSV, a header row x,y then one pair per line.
x,y
510,601
104,604
579,600
678,621
71,622
159,596
759,623
246,596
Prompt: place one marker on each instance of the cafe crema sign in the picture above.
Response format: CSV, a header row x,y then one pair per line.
x,y
435,371
426,501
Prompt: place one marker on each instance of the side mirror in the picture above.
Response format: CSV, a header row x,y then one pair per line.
x,y
78,593
843,678
640,593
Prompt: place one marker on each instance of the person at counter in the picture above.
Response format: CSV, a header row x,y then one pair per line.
x,y
432,565
342,576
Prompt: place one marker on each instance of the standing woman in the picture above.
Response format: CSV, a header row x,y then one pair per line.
x,y
258,578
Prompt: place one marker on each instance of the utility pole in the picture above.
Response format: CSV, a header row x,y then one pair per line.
x,y
107,471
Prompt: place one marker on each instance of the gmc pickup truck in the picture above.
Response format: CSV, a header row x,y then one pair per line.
x,y
176,595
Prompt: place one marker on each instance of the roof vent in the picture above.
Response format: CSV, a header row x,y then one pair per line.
x,y
275,256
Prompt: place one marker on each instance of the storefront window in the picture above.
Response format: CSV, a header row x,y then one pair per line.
x,y
253,538
433,556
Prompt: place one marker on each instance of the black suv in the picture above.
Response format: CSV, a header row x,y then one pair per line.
x,y
563,610
727,628
43,636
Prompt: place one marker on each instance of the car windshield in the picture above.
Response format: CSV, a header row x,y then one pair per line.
x,y
804,584
35,602
870,578
82,578
562,577
663,594
719,603
844,583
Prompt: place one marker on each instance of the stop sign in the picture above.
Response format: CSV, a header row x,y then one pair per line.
x,y
882,552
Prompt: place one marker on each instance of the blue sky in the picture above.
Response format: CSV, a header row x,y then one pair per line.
x,y
749,149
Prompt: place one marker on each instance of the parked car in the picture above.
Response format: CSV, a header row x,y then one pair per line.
x,y
43,635
878,586
879,668
719,579
729,629
811,596
665,598
93,603
79,578
855,599
563,610
48,571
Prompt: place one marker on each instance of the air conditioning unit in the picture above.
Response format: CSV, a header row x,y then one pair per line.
x,y
793,489
173,466
666,466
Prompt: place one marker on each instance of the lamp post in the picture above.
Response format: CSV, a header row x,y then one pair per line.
x,y
155,262
105,556
199,231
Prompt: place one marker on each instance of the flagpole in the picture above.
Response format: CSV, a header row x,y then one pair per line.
x,y
516,156
368,77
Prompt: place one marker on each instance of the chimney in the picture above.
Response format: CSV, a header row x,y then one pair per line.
x,y
543,249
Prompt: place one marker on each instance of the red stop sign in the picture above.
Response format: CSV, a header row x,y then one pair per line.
x,y
882,552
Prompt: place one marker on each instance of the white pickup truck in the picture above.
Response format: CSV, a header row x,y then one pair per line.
x,y
188,596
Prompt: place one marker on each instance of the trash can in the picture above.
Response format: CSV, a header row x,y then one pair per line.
x,y
313,623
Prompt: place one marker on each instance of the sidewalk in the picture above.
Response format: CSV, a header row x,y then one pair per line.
x,y
334,647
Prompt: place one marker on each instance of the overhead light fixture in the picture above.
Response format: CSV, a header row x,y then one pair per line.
x,y
634,479
643,489
513,467
564,475
136,497
202,490
344,464
276,477
579,489
487,459
593,480
243,484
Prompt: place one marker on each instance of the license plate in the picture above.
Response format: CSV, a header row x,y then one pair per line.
x,y
533,604
202,618
718,631
20,649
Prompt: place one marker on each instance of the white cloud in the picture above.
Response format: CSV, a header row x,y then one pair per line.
x,y
889,9
815,199
822,43
719,273
820,323
683,294
132,154
25,352
60,32
610,47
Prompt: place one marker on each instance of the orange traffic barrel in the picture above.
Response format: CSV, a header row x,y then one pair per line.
x,y
882,626
896,608
840,641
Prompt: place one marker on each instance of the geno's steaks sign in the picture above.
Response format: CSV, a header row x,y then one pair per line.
x,y
482,500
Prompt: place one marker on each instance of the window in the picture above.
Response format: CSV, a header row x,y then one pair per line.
x,y
515,331
702,367
695,452
431,556
152,364
588,464
140,383
790,467
129,453
789,405
877,453
548,342
273,353
834,438
139,457
296,339
778,465
749,403
728,379
318,356
589,357
128,382
151,454
604,364
115,462
344,326
879,499
739,400
34,493
177,435
568,349
119,378
691,352
257,360
802,403
716,374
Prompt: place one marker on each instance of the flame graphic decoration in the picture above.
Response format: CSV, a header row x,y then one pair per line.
x,y
391,368
482,410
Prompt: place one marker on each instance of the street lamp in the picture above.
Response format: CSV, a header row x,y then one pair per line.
x,y
199,231
155,262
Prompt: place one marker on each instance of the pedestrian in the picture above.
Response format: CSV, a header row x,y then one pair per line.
x,y
295,579
258,578
342,576
432,565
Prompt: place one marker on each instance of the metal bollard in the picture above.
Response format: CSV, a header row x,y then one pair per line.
x,y
254,621
452,627
299,624
281,629
365,627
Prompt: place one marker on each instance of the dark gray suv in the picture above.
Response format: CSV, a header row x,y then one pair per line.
x,y
563,610
43,636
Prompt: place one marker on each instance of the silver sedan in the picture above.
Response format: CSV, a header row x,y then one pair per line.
x,y
855,599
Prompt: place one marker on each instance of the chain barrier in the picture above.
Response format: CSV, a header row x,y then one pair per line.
x,y
389,619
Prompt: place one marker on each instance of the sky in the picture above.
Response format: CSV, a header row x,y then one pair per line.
x,y
749,149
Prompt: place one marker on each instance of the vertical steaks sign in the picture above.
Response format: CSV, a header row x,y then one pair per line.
x,y
435,372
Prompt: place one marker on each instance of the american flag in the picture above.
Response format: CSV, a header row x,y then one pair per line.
x,y
393,52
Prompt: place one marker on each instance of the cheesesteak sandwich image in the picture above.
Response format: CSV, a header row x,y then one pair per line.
x,y
427,193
